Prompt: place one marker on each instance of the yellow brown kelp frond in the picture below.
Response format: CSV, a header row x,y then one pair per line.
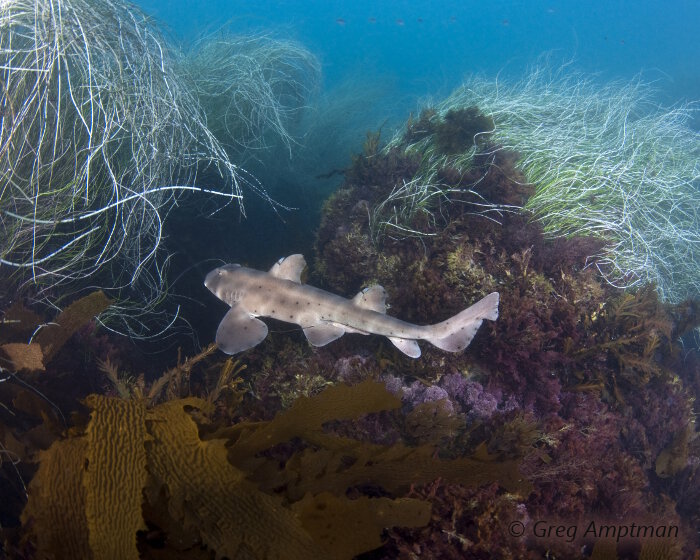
x,y
85,500
307,415
188,483
52,337
115,474
355,526
17,356
56,507
336,463
138,466
18,323
393,468
206,491
30,420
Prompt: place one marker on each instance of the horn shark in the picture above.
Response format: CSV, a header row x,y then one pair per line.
x,y
323,316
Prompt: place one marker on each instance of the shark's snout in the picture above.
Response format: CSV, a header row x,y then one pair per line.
x,y
216,277
212,279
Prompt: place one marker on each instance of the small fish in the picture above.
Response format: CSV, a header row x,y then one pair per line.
x,y
400,22
340,21
323,316
372,20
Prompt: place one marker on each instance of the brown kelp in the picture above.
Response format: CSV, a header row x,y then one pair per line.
x,y
196,484
30,349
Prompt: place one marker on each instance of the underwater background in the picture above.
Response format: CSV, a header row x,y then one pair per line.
x,y
426,48
547,151
393,55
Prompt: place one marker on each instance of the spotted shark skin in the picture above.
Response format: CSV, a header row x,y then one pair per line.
x,y
323,316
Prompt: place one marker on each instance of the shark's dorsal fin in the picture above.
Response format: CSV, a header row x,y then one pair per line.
x,y
372,297
289,268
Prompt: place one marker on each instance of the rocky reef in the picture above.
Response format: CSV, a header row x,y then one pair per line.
x,y
592,386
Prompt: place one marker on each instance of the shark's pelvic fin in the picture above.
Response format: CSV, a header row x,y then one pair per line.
x,y
239,331
407,346
373,297
323,333
289,268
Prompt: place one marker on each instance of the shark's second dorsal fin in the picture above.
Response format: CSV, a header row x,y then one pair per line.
x,y
372,297
289,268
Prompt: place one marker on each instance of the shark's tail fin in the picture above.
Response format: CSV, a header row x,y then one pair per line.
x,y
455,334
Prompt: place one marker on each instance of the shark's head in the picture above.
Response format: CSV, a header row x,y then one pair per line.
x,y
222,280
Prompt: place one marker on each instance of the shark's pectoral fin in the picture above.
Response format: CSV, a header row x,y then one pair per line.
x,y
321,334
407,346
289,268
239,331
372,297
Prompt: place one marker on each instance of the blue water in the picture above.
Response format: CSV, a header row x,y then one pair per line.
x,y
394,54
425,48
